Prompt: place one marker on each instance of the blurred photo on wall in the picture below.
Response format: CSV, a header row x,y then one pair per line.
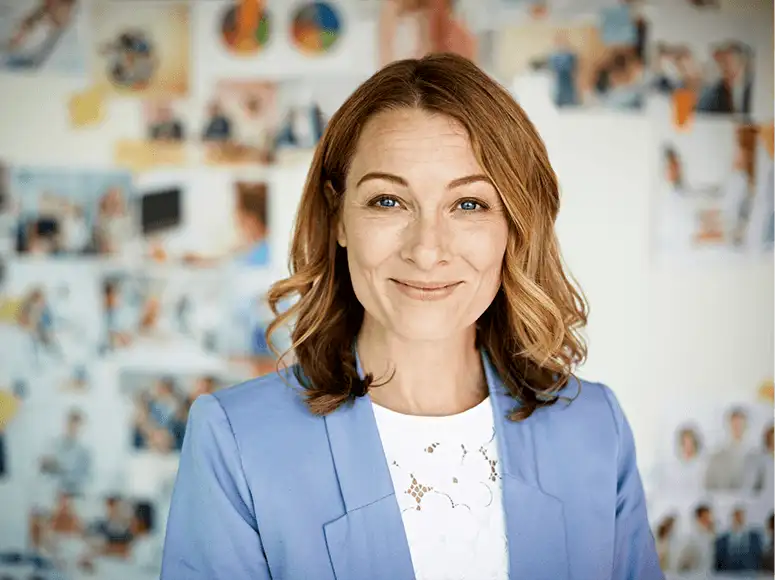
x,y
159,407
50,323
240,121
589,62
206,218
414,28
242,337
65,213
43,36
304,108
152,310
712,199
141,49
96,536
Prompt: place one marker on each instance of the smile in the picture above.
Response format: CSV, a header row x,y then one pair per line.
x,y
425,290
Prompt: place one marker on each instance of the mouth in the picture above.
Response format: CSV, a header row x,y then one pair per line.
x,y
425,291
426,286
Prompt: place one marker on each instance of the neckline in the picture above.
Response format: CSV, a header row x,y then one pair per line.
x,y
483,408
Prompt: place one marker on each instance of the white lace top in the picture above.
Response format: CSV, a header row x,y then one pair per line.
x,y
447,479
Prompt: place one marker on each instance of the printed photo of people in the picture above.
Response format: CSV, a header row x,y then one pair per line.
x,y
141,49
240,123
717,80
42,36
160,406
109,536
712,492
712,198
157,310
713,539
71,212
414,28
163,122
207,218
242,337
163,143
50,322
305,106
590,62
68,461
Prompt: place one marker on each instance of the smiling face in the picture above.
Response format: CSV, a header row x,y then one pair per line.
x,y
425,230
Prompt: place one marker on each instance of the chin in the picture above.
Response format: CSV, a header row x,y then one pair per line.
x,y
435,326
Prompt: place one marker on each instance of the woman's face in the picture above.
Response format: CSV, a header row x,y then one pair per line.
x,y
425,230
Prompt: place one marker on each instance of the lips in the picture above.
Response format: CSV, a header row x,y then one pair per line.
x,y
426,286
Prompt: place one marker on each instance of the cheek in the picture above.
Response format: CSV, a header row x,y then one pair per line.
x,y
370,242
483,245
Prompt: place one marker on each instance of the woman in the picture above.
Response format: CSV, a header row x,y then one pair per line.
x,y
432,427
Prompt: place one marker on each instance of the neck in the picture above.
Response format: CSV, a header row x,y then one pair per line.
x,y
434,377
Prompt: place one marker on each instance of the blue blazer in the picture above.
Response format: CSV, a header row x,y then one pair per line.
x,y
267,490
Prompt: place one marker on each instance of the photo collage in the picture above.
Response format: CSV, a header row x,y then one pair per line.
x,y
129,288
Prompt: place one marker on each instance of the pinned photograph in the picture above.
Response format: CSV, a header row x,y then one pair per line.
x,y
175,311
51,324
142,49
206,218
43,36
164,142
304,108
99,536
240,123
414,28
242,336
707,72
72,213
160,406
590,62
711,201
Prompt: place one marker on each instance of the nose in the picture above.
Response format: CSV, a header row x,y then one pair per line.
x,y
427,242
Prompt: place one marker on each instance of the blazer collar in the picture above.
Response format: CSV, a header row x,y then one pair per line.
x,y
369,541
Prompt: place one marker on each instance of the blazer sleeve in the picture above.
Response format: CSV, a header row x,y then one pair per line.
x,y
212,532
635,554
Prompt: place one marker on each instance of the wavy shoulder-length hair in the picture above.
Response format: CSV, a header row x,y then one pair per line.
x,y
531,329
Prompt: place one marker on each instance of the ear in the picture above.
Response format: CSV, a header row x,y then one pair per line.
x,y
335,203
341,238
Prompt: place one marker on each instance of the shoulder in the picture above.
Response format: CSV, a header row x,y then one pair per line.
x,y
586,411
266,403
589,401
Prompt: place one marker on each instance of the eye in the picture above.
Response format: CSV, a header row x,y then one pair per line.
x,y
469,205
385,202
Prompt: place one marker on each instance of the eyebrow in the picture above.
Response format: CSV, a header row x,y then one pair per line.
x,y
401,181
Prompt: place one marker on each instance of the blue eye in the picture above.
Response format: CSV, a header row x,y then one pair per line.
x,y
386,202
469,205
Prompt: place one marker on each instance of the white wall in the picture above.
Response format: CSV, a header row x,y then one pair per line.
x,y
660,335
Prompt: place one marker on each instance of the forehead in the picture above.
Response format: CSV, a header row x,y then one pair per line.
x,y
411,142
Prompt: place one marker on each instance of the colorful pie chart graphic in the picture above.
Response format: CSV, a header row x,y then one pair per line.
x,y
317,27
245,28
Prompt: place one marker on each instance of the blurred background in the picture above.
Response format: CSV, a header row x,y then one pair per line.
x,y
152,156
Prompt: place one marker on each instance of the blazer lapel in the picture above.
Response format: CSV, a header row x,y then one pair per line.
x,y
535,523
368,541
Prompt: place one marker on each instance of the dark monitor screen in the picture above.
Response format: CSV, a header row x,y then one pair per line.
x,y
46,227
160,209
